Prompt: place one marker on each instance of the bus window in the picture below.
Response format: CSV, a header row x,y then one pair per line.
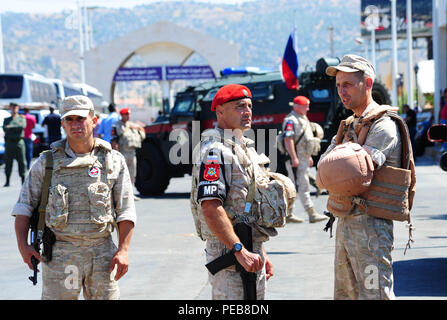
x,y
11,87
69,91
42,92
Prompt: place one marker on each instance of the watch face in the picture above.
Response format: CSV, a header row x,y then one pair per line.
x,y
237,247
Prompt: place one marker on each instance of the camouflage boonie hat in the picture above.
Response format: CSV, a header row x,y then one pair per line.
x,y
353,63
76,106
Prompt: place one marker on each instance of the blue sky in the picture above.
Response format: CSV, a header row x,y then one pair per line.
x,y
49,6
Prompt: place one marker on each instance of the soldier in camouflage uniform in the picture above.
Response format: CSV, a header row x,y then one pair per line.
x,y
90,193
14,127
126,138
223,166
298,136
363,264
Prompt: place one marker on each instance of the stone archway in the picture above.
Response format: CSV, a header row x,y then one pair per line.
x,y
162,43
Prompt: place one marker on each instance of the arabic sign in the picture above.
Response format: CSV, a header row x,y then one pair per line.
x,y
421,17
157,73
138,74
189,72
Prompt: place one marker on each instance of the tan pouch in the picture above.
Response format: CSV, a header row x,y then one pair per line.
x,y
387,197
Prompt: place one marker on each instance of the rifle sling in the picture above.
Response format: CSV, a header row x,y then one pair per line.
x,y
45,192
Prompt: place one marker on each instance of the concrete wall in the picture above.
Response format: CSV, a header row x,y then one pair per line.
x,y
162,43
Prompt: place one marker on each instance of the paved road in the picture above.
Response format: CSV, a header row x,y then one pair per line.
x,y
167,258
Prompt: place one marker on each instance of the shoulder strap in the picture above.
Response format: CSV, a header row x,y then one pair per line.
x,y
45,189
343,128
304,131
407,154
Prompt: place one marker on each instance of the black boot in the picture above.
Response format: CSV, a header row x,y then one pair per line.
x,y
7,182
23,179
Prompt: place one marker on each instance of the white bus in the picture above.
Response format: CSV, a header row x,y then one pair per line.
x,y
65,89
23,88
93,94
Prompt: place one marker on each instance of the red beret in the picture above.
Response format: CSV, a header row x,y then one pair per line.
x,y
302,100
124,111
228,93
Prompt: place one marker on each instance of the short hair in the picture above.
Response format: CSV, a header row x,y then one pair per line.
x,y
13,104
112,107
26,109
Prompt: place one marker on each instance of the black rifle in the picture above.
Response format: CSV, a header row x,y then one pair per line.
x,y
39,232
243,231
36,240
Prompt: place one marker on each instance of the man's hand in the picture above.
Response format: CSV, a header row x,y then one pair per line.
x,y
268,268
121,257
21,226
295,162
121,260
251,262
27,251
311,162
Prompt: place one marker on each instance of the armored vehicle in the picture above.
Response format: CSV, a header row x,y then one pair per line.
x,y
174,134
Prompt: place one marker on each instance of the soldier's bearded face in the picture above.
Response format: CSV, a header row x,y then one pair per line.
x,y
236,114
79,128
352,90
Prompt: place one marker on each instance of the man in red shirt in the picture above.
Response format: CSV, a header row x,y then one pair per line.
x,y
30,124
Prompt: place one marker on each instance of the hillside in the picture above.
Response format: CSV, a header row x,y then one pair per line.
x,y
41,43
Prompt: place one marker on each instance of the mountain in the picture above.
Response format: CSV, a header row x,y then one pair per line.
x,y
41,43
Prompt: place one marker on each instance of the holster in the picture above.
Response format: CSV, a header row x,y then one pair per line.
x,y
48,240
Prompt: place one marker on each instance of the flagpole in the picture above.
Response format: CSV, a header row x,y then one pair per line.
x,y
295,37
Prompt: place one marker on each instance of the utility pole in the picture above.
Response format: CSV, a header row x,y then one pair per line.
x,y
372,23
81,43
394,99
410,84
331,40
86,27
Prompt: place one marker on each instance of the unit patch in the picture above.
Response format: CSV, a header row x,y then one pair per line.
x,y
94,172
211,172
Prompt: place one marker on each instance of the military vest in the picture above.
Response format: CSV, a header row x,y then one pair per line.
x,y
308,142
129,138
392,189
273,197
80,196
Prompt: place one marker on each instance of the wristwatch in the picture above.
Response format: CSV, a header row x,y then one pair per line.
x,y
237,247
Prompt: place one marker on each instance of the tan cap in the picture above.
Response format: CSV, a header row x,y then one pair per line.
x,y
76,106
353,63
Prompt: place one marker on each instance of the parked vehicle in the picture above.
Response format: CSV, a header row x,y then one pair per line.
x,y
25,88
270,106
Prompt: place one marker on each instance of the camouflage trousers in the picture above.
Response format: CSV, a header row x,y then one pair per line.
x,y
301,180
85,267
363,264
131,161
227,283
